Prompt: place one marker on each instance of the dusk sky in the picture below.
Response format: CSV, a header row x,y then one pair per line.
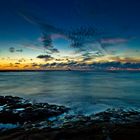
x,y
69,34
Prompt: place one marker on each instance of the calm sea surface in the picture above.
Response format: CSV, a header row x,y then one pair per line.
x,y
84,92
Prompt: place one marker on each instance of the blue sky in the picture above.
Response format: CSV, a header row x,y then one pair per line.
x,y
72,30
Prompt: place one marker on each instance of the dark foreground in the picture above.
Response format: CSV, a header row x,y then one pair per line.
x,y
24,120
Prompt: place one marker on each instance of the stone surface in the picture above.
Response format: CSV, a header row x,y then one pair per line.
x,y
17,110
35,121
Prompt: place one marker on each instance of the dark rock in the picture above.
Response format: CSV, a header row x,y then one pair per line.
x,y
36,122
18,110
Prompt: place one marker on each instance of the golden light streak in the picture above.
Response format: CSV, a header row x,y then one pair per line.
x,y
35,63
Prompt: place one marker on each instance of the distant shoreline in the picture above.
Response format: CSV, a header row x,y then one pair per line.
x,y
29,70
132,70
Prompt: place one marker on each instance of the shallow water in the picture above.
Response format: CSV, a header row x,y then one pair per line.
x,y
84,92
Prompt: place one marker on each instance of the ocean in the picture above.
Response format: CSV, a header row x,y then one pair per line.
x,y
86,92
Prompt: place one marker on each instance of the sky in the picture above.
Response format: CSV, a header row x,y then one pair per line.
x,y
69,34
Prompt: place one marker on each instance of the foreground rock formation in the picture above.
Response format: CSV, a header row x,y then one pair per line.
x,y
23,120
18,110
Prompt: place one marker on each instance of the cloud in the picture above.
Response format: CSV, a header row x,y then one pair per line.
x,y
84,39
82,35
71,64
115,65
39,22
31,46
49,31
77,37
45,57
54,50
90,56
17,63
47,43
11,49
35,65
125,59
26,66
113,40
19,50
57,36
22,60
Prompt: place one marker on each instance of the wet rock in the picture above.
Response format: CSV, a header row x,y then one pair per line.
x,y
17,110
117,116
52,122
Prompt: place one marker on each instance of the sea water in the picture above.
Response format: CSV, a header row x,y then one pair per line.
x,y
85,92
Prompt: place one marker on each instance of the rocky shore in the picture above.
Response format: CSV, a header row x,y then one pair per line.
x,y
22,119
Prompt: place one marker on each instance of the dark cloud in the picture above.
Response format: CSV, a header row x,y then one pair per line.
x,y
17,63
83,39
45,57
77,37
81,36
35,65
92,66
47,43
26,66
64,65
12,49
115,65
47,31
22,60
81,33
54,50
93,54
39,22
19,50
